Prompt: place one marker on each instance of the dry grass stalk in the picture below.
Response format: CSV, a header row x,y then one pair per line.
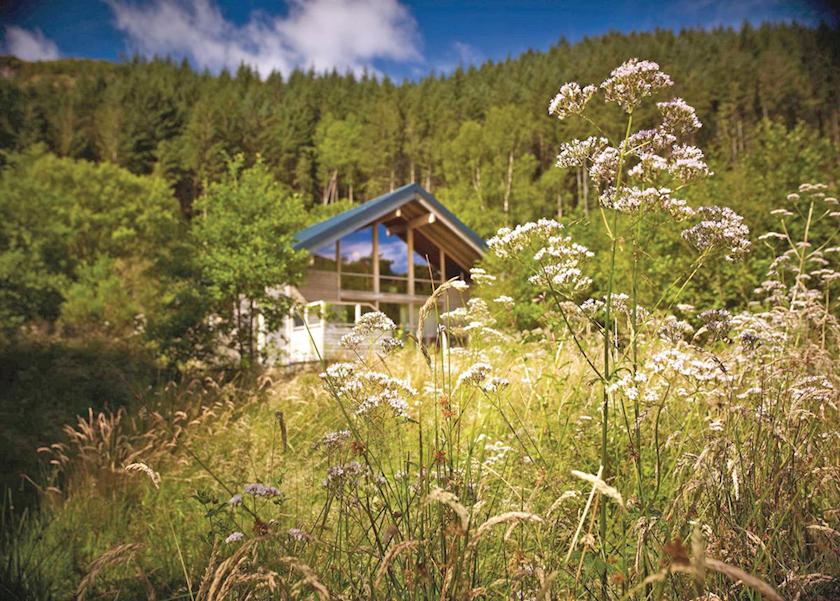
x,y
451,500
309,577
113,556
737,574
600,486
142,467
430,304
503,518
389,558
217,583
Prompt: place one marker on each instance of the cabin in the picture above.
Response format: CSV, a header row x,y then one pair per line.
x,y
386,255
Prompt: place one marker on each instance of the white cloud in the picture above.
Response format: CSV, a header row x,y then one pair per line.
x,y
460,55
322,34
467,54
29,45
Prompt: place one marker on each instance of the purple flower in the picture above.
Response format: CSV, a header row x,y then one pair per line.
x,y
258,489
234,537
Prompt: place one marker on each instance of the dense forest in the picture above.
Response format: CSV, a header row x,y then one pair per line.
x,y
104,165
144,203
479,138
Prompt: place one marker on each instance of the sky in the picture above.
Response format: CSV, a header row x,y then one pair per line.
x,y
398,38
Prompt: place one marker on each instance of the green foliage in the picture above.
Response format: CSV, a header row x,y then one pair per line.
x,y
59,217
244,230
98,300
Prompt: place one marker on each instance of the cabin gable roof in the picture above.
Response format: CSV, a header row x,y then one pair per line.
x,y
338,226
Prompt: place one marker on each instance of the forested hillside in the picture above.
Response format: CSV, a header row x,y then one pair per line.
x,y
478,138
638,380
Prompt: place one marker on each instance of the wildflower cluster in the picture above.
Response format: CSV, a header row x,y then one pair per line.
x,y
570,100
373,328
721,229
632,81
579,153
644,172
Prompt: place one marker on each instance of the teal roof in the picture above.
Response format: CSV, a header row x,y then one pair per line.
x,y
336,227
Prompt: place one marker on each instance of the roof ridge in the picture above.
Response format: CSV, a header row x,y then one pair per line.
x,y
343,223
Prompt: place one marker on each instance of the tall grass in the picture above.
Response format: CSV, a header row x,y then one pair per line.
x,y
620,452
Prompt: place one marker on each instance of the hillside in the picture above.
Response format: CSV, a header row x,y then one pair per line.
x,y
335,136
633,395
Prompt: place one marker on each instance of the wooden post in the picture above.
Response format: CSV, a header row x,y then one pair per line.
x,y
442,265
338,269
409,240
323,308
375,259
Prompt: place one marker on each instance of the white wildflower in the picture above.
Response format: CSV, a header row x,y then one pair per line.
x,y
375,321
650,140
632,81
721,229
571,100
678,117
509,243
687,163
495,384
559,265
605,166
480,276
474,374
649,167
576,153
352,341
258,489
332,440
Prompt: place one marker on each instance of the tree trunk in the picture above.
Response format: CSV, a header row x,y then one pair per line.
x,y
392,180
411,172
331,188
239,339
559,203
350,192
508,188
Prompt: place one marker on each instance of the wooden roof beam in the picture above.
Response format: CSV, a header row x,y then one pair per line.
x,y
413,224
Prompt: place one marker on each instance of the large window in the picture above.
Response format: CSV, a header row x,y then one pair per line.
x,y
323,259
426,265
398,312
356,255
393,262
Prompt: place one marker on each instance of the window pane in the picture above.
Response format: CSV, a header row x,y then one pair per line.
x,y
341,314
397,312
394,285
324,258
356,252
393,254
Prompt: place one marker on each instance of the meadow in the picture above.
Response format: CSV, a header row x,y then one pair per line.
x,y
614,449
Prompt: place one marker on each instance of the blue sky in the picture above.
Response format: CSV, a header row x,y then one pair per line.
x,y
401,38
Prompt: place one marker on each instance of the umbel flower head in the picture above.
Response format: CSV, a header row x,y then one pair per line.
x,y
577,153
632,81
678,118
721,229
571,100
